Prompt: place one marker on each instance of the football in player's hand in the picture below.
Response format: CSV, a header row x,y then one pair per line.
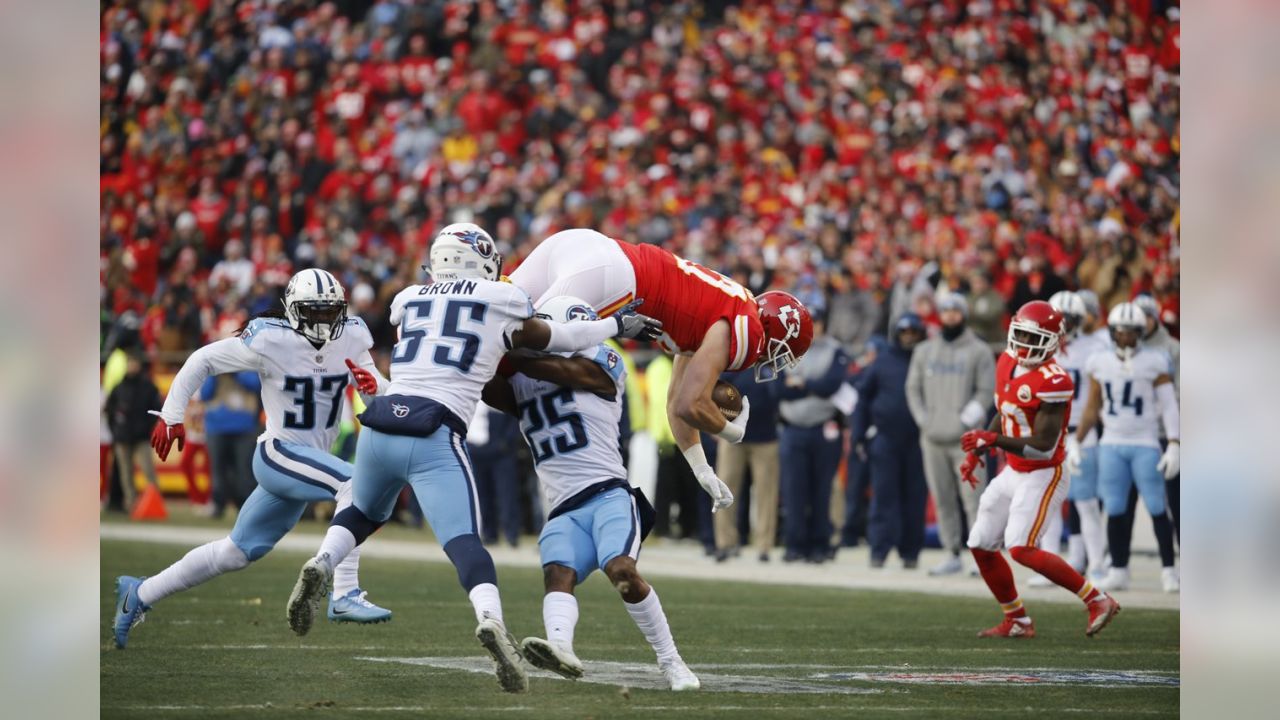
x,y
727,398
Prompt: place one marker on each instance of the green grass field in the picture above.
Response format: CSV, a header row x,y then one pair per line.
x,y
224,650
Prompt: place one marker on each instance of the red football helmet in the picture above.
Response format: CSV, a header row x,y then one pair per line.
x,y
788,330
1034,333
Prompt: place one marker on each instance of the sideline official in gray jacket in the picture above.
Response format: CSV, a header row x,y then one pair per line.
x,y
950,386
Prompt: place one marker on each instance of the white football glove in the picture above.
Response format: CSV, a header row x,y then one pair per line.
x,y
734,430
720,496
1171,462
1075,458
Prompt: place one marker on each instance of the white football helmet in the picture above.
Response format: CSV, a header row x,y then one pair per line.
x,y
465,250
1127,317
1151,309
315,305
1073,311
565,309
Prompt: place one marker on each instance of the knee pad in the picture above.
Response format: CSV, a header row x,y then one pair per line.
x,y
472,561
227,556
359,524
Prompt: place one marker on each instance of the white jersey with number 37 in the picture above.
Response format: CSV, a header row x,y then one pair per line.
x,y
573,435
452,336
1129,414
302,387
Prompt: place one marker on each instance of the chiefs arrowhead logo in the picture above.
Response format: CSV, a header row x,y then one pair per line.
x,y
790,319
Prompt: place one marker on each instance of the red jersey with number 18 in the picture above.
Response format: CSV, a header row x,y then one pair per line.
x,y
689,298
1018,398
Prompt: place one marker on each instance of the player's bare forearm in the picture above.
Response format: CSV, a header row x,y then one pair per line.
x,y
1092,409
994,425
498,395
689,399
578,373
1044,436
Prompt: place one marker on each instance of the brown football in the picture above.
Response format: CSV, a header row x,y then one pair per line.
x,y
727,398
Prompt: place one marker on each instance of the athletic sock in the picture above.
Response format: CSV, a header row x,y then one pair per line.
x,y
1075,552
1015,611
1164,538
1118,535
346,575
337,545
1093,532
486,601
197,566
1050,566
652,622
560,616
999,578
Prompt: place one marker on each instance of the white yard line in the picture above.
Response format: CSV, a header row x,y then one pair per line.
x,y
849,571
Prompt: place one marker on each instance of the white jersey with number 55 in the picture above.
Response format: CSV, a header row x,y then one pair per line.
x,y
452,335
1129,413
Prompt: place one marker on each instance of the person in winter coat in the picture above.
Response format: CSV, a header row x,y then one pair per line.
x,y
127,410
885,432
950,386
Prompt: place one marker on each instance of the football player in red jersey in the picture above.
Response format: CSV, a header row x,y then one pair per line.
x,y
1033,397
711,323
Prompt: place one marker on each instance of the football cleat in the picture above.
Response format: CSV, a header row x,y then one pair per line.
x,y
550,656
353,607
1116,579
1169,580
315,582
129,609
1008,628
679,675
1100,613
493,635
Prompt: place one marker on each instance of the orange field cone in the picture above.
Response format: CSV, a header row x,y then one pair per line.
x,y
150,506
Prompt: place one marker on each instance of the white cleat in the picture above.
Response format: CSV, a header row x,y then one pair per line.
x,y
680,676
547,655
1170,581
508,666
1039,581
314,585
1116,579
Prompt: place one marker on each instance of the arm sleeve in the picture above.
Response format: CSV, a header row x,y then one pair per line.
x,y
915,388
1168,402
224,356
1056,388
575,336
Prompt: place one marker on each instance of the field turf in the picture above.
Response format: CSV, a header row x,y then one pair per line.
x,y
223,650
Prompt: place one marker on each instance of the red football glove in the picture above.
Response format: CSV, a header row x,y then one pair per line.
x,y
967,468
977,440
365,381
163,435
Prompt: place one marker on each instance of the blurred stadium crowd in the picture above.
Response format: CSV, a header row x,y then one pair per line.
x,y
868,156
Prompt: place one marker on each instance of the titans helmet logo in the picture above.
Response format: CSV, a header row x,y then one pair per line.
x,y
581,312
790,319
478,241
